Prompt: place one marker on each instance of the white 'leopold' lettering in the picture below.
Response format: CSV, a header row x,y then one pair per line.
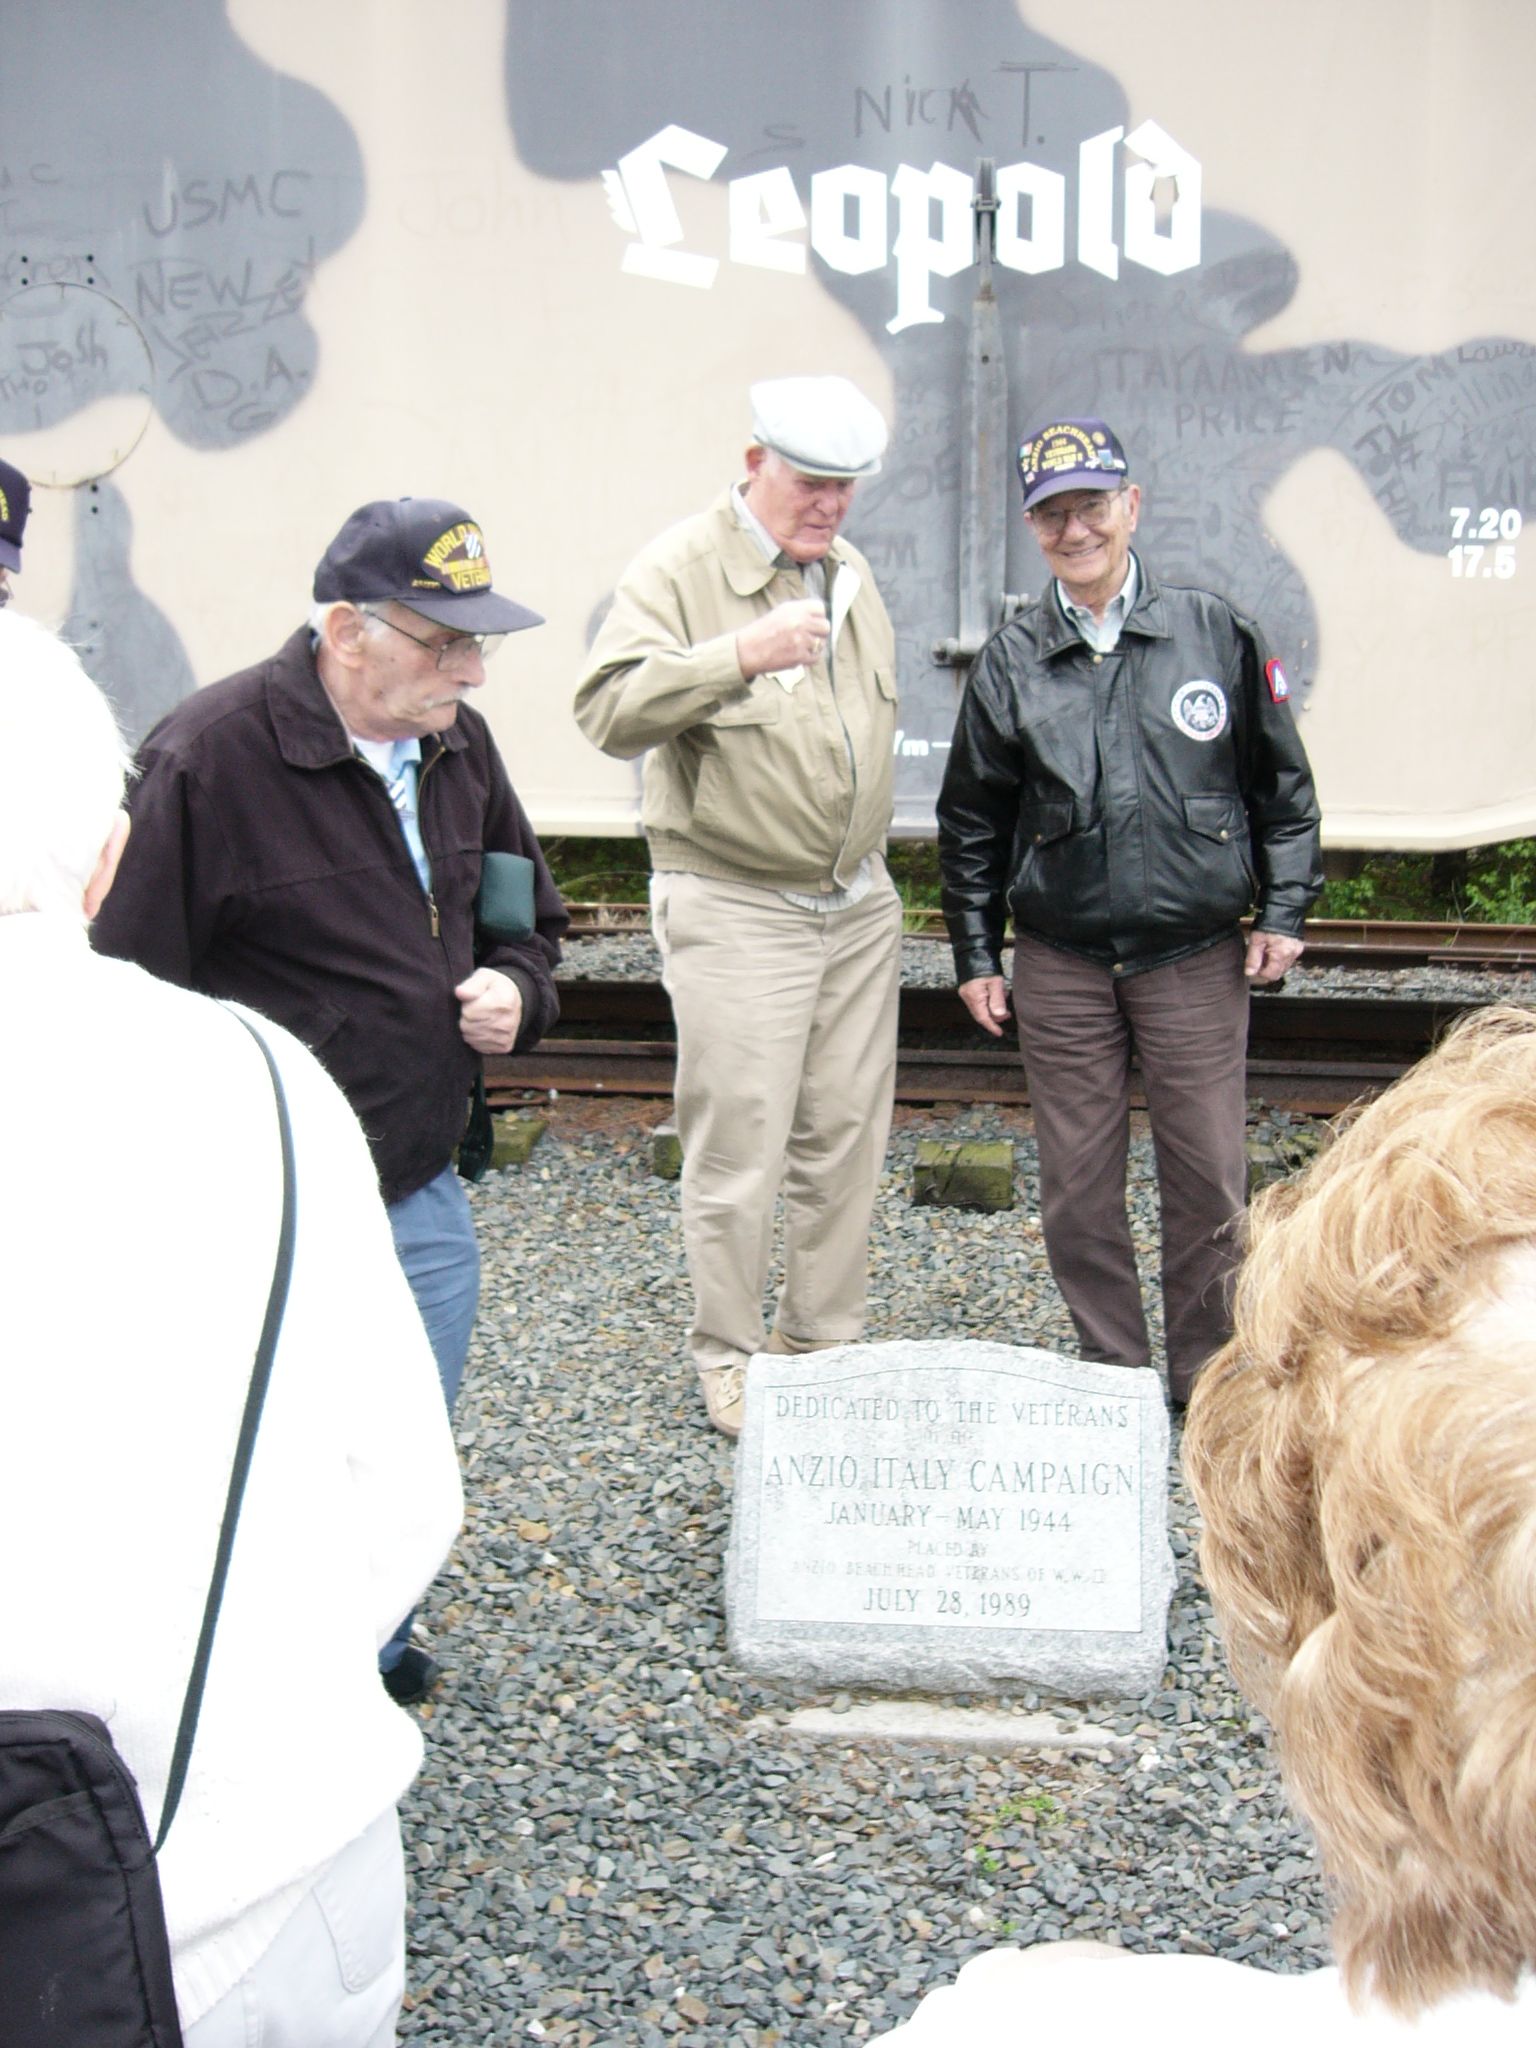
x,y
850,224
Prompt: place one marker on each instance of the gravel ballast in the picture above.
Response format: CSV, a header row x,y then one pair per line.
x,y
618,1837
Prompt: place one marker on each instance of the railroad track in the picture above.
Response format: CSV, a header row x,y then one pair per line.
x,y
1331,942
1311,1055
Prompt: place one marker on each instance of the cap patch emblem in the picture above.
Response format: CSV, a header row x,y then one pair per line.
x,y
1199,710
1066,447
5,506
456,560
1279,682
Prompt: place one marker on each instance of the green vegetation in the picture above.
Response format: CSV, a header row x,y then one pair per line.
x,y
1502,890
1483,885
1027,1809
914,866
1486,885
600,870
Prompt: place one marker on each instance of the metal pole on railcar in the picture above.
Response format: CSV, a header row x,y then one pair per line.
x,y
983,603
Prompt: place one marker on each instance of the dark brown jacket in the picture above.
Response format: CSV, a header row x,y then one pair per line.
x,y
266,863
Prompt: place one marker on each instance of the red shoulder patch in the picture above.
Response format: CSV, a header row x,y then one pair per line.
x,y
1278,681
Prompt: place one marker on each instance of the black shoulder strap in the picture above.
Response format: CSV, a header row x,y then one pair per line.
x,y
261,1372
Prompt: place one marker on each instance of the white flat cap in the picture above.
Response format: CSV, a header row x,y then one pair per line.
x,y
823,426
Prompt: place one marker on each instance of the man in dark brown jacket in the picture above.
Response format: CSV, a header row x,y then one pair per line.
x,y
308,838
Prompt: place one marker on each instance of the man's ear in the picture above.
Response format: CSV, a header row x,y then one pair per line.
x,y
343,635
756,457
105,872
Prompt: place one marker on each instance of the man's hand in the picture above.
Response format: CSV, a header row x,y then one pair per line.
x,y
790,636
491,1010
1270,954
987,1000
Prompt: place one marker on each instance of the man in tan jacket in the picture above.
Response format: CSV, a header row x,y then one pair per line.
x,y
749,657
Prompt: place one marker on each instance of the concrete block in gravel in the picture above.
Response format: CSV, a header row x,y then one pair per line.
x,y
926,1724
951,1517
666,1152
1282,1149
978,1175
1265,1165
515,1138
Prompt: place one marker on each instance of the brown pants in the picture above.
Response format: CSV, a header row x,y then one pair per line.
x,y
786,1065
1188,1025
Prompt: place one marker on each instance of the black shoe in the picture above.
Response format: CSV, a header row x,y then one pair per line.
x,y
412,1678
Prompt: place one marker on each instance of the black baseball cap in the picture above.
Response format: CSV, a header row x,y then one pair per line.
x,y
1070,455
15,504
422,552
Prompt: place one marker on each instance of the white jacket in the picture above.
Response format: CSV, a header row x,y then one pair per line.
x,y
139,1207
1021,1998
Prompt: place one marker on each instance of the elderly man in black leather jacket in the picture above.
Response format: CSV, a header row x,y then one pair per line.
x,y
1127,781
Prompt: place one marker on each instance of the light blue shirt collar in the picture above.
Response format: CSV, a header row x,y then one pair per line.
x,y
388,757
1102,635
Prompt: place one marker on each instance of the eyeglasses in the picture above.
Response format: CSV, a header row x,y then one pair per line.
x,y
450,652
1096,512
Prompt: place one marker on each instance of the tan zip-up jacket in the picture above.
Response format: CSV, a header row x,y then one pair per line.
x,y
784,781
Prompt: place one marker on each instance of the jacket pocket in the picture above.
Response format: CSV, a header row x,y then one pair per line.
x,y
1222,820
1040,824
759,707
317,1024
1058,889
885,683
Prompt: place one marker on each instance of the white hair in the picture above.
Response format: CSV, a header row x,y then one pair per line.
x,y
68,767
366,611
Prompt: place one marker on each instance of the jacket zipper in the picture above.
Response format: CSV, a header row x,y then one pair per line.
x,y
434,920
423,772
853,765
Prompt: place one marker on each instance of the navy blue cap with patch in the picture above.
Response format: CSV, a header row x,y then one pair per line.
x,y
15,504
1070,455
422,552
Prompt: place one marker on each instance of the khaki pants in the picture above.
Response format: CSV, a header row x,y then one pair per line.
x,y
786,1060
1188,1023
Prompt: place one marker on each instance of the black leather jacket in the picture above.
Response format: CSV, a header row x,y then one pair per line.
x,y
1128,807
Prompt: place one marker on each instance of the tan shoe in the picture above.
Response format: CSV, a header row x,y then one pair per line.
x,y
725,1395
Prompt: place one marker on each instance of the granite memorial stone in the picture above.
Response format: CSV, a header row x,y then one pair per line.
x,y
951,1516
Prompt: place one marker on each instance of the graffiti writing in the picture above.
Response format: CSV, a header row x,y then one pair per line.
x,y
199,202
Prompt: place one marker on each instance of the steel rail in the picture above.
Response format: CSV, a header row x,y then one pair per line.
x,y
1331,942
1308,1054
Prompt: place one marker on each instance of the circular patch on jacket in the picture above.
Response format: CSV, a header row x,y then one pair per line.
x,y
1199,709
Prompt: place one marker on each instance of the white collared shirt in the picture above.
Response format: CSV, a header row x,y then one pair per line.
x,y
749,519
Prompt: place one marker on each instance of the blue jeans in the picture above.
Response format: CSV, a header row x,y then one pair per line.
x,y
435,1243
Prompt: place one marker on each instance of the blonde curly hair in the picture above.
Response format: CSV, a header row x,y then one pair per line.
x,y
1363,1452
